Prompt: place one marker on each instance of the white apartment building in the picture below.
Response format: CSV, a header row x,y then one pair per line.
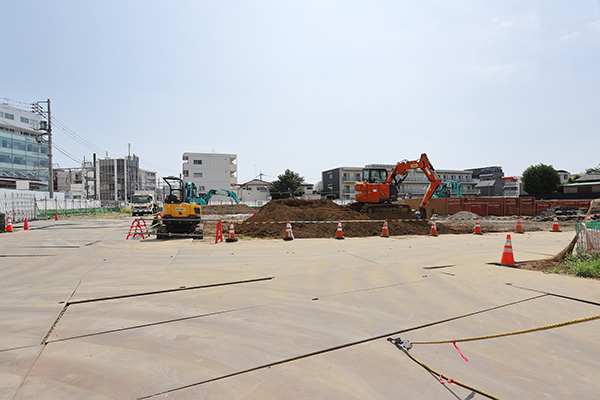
x,y
210,171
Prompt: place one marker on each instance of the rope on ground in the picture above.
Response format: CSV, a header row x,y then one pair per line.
x,y
406,345
442,376
539,328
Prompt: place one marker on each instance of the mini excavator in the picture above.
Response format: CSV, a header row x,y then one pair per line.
x,y
378,192
181,215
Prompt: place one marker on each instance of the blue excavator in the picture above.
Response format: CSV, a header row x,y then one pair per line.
x,y
191,192
445,189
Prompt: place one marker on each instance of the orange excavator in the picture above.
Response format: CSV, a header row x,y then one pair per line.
x,y
378,192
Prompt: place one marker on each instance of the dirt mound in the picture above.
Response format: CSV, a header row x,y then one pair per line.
x,y
260,226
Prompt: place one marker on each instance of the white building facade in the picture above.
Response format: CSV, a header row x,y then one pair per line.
x,y
210,171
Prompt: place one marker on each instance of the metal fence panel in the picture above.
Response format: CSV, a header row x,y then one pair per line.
x,y
588,237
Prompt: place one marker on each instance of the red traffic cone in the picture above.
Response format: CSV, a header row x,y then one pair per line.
x,y
477,228
288,232
589,218
519,226
231,237
385,232
219,234
26,225
159,215
9,227
433,228
507,254
555,227
56,216
339,234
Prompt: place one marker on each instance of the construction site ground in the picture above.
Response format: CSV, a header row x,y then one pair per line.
x,y
86,314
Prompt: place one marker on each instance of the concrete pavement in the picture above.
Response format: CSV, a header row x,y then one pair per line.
x,y
87,314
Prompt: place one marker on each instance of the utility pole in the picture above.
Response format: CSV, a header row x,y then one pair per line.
x,y
48,128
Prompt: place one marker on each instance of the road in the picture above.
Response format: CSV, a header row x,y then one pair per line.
x,y
87,314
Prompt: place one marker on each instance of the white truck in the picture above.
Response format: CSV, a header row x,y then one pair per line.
x,y
142,202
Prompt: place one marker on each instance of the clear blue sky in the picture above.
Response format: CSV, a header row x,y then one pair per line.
x,y
314,85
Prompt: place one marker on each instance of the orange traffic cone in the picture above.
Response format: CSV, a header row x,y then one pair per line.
x,y
555,227
288,232
56,216
507,254
9,227
433,228
219,234
339,234
519,226
26,225
231,237
477,228
385,232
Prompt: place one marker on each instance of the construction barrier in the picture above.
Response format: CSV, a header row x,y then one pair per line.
x,y
138,230
588,238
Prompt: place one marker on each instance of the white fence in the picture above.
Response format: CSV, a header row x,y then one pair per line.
x,y
19,205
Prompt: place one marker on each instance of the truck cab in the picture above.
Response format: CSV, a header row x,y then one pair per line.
x,y
143,203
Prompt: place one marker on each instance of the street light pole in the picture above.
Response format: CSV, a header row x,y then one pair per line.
x,y
48,128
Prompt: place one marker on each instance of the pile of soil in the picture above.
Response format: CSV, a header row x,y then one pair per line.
x,y
325,210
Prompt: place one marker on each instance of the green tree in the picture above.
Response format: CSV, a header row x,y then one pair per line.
x,y
540,178
595,170
574,178
288,184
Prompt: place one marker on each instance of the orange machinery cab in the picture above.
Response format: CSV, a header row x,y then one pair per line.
x,y
372,189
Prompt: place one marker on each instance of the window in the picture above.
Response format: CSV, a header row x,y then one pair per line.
x,y
197,174
201,188
25,120
1,114
186,173
197,162
9,116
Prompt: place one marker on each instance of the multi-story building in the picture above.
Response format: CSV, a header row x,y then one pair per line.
x,y
23,155
210,171
490,180
511,186
146,180
338,183
117,178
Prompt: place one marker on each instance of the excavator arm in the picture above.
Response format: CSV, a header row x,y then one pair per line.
x,y
403,167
